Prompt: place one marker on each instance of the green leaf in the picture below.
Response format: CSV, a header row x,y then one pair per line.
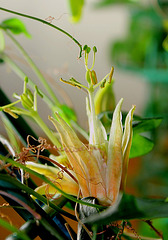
x,y
163,5
2,41
68,112
140,146
12,228
130,207
15,25
76,7
105,3
146,124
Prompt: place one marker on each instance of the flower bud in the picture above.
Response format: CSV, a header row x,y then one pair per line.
x,y
26,102
104,98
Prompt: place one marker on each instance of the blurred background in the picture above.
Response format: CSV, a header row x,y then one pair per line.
x,y
57,56
129,35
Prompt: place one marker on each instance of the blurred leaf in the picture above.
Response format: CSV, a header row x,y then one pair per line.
x,y
130,207
14,141
76,7
1,60
142,50
140,146
69,112
165,43
103,3
163,5
160,224
16,26
12,228
2,41
146,124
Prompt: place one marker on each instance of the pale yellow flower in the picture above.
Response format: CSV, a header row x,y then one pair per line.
x,y
99,167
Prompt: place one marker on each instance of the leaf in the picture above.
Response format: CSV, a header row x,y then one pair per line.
x,y
130,207
12,228
76,7
163,5
140,146
15,25
105,3
69,113
145,125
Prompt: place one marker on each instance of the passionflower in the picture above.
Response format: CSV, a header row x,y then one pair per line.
x,y
99,167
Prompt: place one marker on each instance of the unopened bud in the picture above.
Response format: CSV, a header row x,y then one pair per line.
x,y
94,49
26,102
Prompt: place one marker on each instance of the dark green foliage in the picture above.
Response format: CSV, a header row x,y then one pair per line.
x,y
130,207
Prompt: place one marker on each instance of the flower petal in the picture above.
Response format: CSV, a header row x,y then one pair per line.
x,y
114,161
62,180
126,144
82,160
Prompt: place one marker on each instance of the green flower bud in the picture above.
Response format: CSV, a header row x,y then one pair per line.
x,y
94,49
26,102
85,47
104,99
88,49
30,95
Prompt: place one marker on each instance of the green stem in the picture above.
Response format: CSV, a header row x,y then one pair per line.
x,y
9,105
93,61
86,61
46,130
93,115
47,23
35,68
